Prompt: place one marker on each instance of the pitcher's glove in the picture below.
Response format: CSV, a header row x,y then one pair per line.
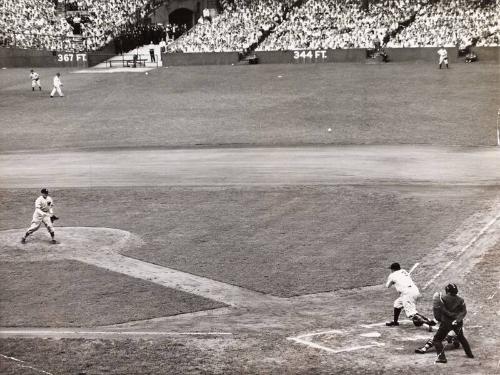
x,y
53,218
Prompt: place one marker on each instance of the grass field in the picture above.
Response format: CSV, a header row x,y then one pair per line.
x,y
216,105
247,266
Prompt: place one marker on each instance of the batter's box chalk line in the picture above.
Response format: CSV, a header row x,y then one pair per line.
x,y
305,340
23,364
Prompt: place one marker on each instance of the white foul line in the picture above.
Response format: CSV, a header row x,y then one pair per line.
x,y
471,242
20,363
336,331
433,278
104,333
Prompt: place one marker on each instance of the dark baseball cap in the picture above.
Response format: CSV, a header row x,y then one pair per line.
x,y
44,191
395,266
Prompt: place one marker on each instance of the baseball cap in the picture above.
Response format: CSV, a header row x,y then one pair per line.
x,y
395,266
44,191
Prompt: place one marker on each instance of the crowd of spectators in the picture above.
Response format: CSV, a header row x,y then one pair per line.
x,y
323,24
240,25
90,24
34,24
451,23
243,24
137,35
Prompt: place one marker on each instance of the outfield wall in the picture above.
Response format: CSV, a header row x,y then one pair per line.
x,y
25,58
416,55
208,58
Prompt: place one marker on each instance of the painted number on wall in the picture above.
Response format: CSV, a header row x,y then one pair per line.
x,y
69,57
310,56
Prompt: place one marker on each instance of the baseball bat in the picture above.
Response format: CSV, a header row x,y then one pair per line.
x,y
413,268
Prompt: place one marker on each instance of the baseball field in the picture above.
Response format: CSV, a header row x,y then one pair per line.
x,y
242,219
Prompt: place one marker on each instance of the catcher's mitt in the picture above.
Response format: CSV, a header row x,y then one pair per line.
x,y
417,321
53,218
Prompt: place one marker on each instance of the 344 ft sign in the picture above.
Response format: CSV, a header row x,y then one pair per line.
x,y
310,56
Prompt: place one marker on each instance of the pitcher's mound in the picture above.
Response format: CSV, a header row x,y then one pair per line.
x,y
70,241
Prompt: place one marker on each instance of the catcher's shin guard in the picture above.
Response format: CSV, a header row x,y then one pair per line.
x,y
425,348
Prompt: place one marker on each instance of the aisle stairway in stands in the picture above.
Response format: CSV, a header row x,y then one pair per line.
x,y
248,56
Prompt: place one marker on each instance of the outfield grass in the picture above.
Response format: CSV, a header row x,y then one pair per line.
x,y
186,106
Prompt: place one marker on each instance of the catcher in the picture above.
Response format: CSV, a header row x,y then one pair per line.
x,y
44,213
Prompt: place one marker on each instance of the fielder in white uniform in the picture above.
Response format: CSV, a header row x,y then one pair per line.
x,y
57,86
408,296
35,80
44,213
443,57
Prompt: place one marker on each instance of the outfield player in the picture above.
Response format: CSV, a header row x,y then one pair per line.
x,y
44,213
35,80
443,57
57,86
408,296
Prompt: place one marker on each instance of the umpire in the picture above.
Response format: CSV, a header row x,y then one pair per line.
x,y
452,311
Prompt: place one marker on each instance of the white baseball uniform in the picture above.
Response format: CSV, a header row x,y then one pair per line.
x,y
35,79
57,86
408,291
44,209
443,56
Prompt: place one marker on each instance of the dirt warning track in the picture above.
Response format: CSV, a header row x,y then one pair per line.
x,y
253,166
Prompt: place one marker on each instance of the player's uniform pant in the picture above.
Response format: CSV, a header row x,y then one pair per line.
x,y
408,301
37,221
35,82
442,332
58,89
443,60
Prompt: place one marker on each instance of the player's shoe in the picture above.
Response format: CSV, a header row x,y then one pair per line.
x,y
470,355
391,324
23,240
53,242
421,350
441,359
32,89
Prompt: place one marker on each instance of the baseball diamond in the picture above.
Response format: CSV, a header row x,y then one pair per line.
x,y
257,206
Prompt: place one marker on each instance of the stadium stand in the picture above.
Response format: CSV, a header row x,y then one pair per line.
x,y
451,23
237,28
34,24
323,24
37,24
247,25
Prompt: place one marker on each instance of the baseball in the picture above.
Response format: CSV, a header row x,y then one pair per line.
x,y
329,129
146,73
